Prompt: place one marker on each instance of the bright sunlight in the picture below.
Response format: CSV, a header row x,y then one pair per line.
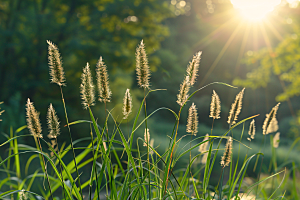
x,y
255,10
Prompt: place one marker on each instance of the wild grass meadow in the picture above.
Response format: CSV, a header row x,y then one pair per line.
x,y
120,159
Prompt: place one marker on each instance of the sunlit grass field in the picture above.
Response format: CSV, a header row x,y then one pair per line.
x,y
125,159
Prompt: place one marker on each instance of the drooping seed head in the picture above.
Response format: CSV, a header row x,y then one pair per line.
x,y
183,92
192,122
142,67
1,111
33,121
102,82
270,124
127,104
276,140
53,122
235,108
87,88
215,106
251,131
193,67
226,158
55,65
146,137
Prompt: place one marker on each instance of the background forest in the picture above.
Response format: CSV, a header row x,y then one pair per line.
x,y
262,56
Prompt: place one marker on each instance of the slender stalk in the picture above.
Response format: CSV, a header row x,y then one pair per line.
x,y
74,156
173,148
45,169
262,160
190,161
61,171
95,170
149,186
107,138
212,127
129,188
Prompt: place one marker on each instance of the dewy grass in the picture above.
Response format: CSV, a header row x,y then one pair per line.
x,y
150,173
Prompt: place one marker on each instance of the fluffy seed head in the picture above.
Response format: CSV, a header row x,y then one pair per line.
x,y
55,64
33,121
192,122
183,92
127,104
215,106
102,82
1,111
142,67
54,147
226,158
146,137
276,140
270,124
87,87
251,131
235,108
53,123
193,67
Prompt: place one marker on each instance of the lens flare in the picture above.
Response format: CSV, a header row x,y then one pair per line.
x,y
255,10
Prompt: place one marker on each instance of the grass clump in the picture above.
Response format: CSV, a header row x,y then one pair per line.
x,y
118,170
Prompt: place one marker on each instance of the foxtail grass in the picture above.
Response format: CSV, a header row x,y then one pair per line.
x,y
35,128
149,174
57,76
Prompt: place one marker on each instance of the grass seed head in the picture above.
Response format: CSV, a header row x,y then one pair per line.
x,y
146,137
1,111
236,108
270,124
87,88
192,122
251,131
102,82
183,91
276,140
127,104
204,158
142,67
33,121
54,147
203,146
193,68
53,123
215,106
226,158
22,195
104,145
55,64
151,145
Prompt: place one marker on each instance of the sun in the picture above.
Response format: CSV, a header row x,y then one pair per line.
x,y
255,10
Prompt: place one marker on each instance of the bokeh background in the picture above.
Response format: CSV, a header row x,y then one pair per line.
x,y
258,50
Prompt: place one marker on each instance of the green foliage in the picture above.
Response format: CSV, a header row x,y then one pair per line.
x,y
282,62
